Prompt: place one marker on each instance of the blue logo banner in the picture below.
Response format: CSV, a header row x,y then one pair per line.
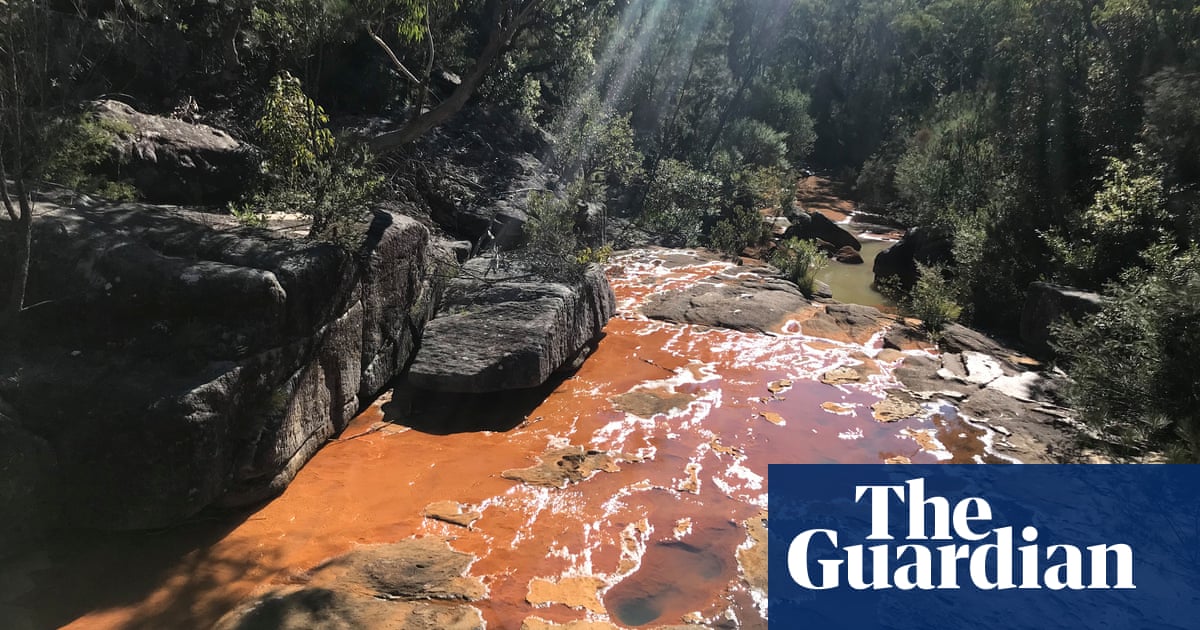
x,y
1020,547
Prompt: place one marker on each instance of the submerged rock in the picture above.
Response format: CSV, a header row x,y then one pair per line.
x,y
503,328
452,512
560,467
417,584
894,408
848,255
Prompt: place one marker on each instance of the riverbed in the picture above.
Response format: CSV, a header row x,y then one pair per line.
x,y
663,534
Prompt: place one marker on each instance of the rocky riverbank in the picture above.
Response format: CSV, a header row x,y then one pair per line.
x,y
629,494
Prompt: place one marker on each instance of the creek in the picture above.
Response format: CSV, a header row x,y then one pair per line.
x,y
663,535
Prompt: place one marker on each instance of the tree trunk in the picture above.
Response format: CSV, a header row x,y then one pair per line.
x,y
23,226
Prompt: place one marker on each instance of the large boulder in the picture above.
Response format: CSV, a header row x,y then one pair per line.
x,y
173,161
505,327
919,245
1047,303
816,226
747,303
174,361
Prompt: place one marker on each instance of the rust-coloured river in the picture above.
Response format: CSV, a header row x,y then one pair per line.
x,y
661,539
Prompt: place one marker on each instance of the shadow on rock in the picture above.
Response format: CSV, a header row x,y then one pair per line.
x,y
446,413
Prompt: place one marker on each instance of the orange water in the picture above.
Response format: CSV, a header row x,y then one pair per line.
x,y
629,528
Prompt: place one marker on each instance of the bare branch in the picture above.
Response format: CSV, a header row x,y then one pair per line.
x,y
392,56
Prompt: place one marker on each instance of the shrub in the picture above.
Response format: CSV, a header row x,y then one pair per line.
x,y
306,171
757,143
292,129
1133,362
597,143
552,244
82,146
800,261
679,200
932,300
741,230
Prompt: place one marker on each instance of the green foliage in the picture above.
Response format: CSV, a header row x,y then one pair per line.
x,y
952,165
597,143
529,100
1133,363
743,228
875,183
932,300
306,171
83,147
787,111
1171,130
248,215
552,243
292,129
755,142
678,201
800,261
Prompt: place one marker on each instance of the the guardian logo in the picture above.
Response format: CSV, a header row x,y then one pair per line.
x,y
949,546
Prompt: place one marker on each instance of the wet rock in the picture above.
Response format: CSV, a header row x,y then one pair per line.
x,y
747,304
452,512
508,327
895,408
172,161
840,409
923,375
1047,303
889,355
206,362
580,592
646,402
814,226
537,623
848,255
419,583
780,386
560,467
841,376
919,245
980,368
903,337
1031,387
752,557
845,322
773,418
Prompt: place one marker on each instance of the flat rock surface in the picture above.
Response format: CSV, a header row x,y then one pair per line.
x,y
744,303
502,328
